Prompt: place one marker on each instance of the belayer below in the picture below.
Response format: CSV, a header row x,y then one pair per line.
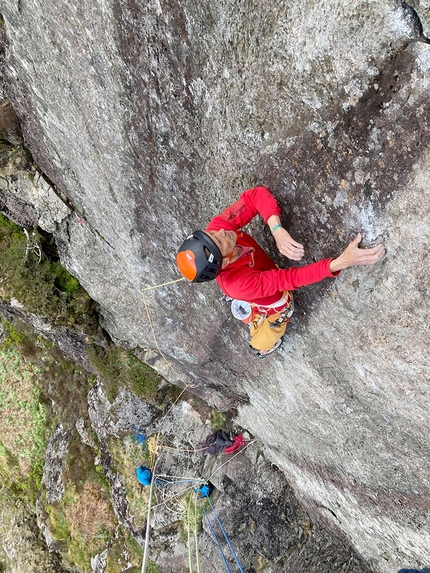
x,y
245,272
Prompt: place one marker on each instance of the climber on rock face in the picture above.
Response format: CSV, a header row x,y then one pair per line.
x,y
245,273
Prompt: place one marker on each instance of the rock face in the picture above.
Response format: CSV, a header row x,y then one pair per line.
x,y
151,117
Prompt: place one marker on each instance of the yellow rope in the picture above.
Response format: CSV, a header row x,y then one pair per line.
x,y
154,446
175,495
186,385
191,450
157,345
163,284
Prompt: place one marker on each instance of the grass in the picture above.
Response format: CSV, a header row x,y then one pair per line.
x,y
60,380
32,371
84,520
194,511
218,420
127,455
23,427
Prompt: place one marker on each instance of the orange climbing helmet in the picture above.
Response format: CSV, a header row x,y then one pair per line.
x,y
199,259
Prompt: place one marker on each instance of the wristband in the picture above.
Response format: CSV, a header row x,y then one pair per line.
x,y
276,227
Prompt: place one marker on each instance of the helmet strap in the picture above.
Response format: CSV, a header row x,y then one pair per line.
x,y
227,259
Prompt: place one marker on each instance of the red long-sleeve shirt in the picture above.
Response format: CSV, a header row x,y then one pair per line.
x,y
254,277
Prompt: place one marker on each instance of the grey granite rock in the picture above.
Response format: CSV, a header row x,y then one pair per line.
x,y
52,469
151,117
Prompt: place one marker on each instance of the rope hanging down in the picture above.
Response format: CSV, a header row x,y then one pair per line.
x,y
155,477
216,540
186,385
225,536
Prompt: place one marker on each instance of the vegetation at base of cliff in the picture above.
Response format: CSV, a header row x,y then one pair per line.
x,y
64,384
119,368
127,455
23,427
31,273
38,388
36,379
84,521
19,532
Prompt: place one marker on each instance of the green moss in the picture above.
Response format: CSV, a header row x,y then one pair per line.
x,y
34,376
120,368
13,337
40,284
218,420
61,381
153,568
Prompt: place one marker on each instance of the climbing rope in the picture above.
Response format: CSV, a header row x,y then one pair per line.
x,y
192,487
190,561
153,449
205,495
230,459
155,446
225,536
184,450
216,539
193,481
169,364
195,535
163,284
145,549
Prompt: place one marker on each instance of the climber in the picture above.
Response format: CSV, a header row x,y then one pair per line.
x,y
245,273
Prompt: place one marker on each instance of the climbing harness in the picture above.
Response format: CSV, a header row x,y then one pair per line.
x,y
284,307
254,313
